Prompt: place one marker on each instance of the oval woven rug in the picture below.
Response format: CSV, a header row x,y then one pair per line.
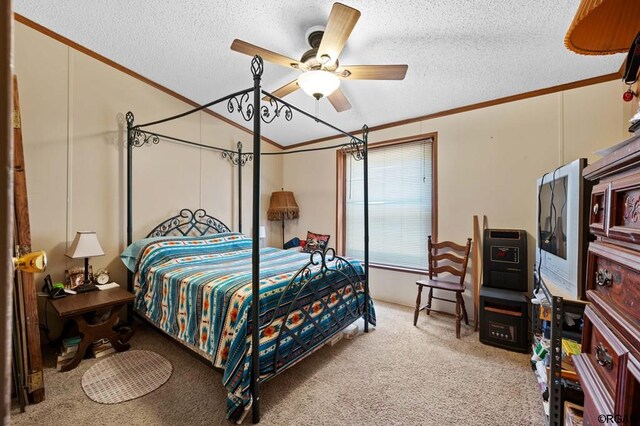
x,y
126,375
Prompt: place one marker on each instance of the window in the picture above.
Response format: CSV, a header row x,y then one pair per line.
x,y
401,203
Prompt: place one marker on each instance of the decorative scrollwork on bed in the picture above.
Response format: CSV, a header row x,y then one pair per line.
x,y
270,112
355,149
307,304
140,138
189,224
237,157
242,105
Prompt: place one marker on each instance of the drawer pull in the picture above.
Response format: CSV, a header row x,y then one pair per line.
x,y
603,278
596,209
603,358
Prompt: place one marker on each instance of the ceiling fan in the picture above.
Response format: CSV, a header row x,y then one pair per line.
x,y
321,70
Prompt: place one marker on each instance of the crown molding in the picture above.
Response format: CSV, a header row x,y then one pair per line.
x,y
512,98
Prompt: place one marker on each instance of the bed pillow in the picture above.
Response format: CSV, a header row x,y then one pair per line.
x,y
294,242
131,253
316,242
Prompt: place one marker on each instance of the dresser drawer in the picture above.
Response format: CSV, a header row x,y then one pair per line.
x,y
630,401
597,401
604,350
598,209
614,274
592,414
624,208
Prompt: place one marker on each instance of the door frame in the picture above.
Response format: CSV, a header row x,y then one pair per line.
x,y
6,203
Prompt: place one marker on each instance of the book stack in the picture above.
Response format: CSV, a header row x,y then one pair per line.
x,y
101,347
67,351
569,348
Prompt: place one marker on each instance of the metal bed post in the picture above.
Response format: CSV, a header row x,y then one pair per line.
x,y
256,70
240,164
365,138
129,118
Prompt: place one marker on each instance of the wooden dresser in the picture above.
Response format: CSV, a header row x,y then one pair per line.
x,y
609,367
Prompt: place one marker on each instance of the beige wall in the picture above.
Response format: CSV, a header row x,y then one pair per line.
x,y
73,110
73,106
488,163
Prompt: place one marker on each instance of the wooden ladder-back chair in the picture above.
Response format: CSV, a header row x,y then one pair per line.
x,y
457,257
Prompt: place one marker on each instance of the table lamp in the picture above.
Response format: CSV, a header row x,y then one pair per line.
x,y
86,245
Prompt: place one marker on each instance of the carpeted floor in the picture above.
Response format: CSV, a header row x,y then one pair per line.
x,y
396,375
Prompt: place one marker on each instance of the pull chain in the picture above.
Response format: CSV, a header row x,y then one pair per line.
x,y
350,173
424,162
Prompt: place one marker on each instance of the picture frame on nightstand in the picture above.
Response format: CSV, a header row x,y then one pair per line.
x,y
74,277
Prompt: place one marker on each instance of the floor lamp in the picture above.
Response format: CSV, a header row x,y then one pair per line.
x,y
283,207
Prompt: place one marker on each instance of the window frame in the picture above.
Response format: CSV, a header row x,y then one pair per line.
x,y
341,185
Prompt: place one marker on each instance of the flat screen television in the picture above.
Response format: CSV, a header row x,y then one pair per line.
x,y
562,231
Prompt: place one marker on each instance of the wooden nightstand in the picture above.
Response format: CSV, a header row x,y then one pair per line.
x,y
83,306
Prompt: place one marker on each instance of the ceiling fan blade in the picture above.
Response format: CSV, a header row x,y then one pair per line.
x,y
267,55
284,90
372,72
341,22
339,101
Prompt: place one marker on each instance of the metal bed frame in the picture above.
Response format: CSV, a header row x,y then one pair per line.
x,y
300,289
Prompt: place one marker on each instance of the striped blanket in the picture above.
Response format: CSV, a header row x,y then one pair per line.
x,y
198,289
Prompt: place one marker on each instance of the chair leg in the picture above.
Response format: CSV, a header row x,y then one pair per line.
x,y
464,310
417,311
458,316
429,300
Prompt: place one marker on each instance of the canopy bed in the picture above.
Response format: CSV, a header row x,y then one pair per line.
x,y
196,280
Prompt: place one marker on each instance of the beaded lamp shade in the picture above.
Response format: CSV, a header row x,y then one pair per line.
x,y
603,27
283,206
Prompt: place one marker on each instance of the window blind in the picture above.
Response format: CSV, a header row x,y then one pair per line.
x,y
400,204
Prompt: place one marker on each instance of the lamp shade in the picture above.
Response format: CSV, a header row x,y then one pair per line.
x,y
603,27
85,244
318,83
283,206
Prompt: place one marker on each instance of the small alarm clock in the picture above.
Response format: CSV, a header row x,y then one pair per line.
x,y
102,276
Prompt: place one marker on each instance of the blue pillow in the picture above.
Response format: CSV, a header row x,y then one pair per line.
x,y
131,253
294,242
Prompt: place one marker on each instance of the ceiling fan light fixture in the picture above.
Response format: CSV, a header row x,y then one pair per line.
x,y
318,83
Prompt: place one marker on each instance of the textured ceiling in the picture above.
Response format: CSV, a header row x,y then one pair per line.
x,y
459,52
